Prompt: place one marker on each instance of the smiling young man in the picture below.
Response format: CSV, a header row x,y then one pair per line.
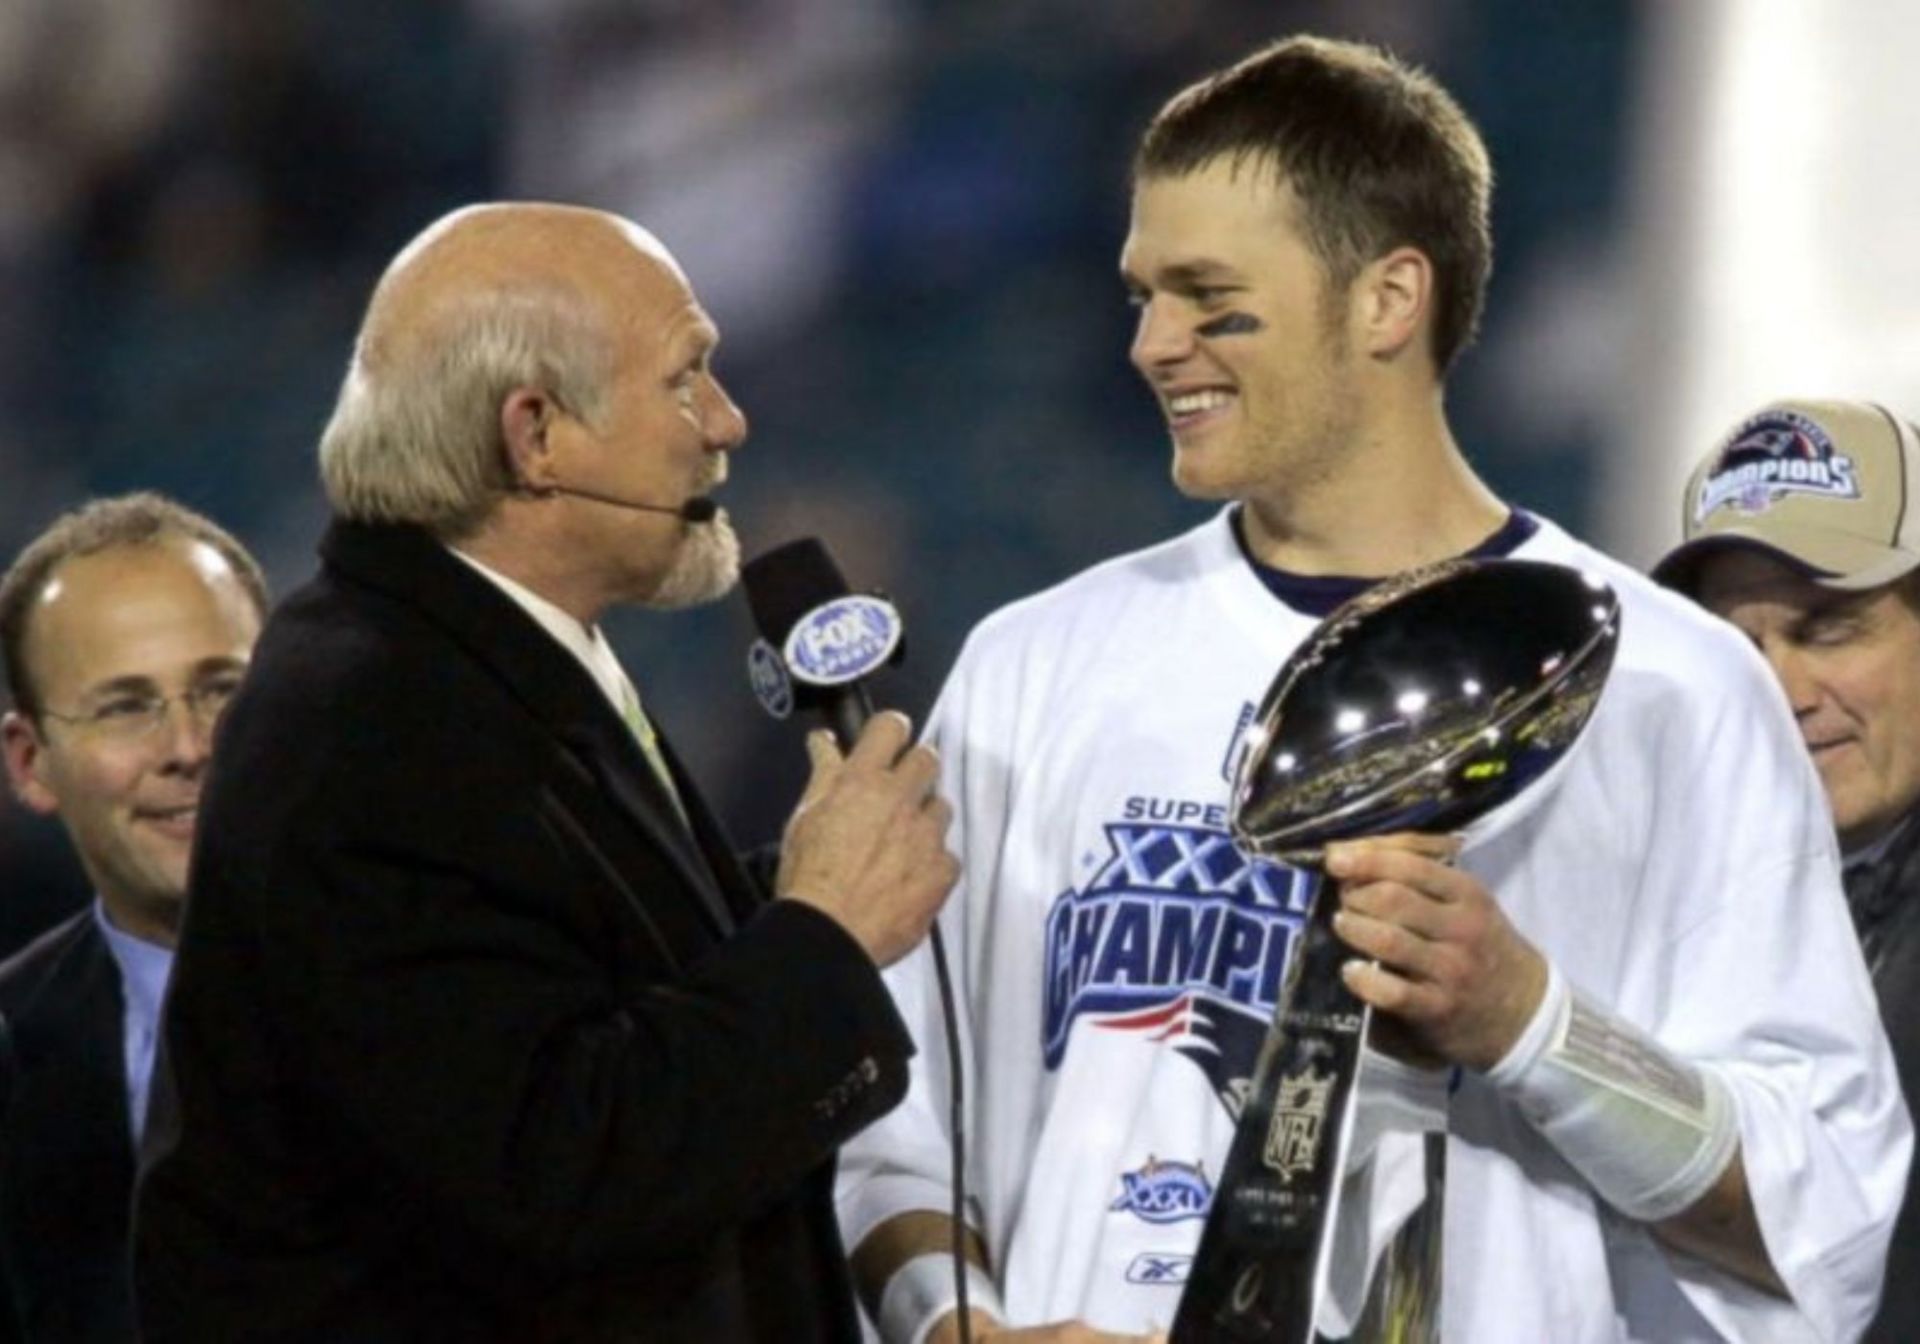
x,y
1800,528
125,628
1308,251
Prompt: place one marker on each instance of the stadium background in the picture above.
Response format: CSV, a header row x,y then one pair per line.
x,y
904,216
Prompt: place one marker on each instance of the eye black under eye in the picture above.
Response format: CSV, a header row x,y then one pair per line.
x,y
1232,324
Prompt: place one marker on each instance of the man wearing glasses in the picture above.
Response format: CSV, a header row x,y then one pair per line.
x,y
125,628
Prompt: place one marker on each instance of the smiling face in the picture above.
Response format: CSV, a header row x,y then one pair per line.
x,y
1238,336
106,630
1850,665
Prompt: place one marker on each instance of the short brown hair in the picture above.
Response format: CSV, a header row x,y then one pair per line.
x,y
141,519
1378,154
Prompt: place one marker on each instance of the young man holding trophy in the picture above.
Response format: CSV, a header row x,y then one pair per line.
x,y
1631,1018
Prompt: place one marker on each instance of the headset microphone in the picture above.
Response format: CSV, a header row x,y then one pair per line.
x,y
699,509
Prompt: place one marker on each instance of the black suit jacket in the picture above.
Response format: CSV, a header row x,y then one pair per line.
x,y
66,1141
467,1038
1884,897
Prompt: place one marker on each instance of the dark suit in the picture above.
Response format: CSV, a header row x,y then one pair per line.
x,y
467,1038
66,1142
1884,896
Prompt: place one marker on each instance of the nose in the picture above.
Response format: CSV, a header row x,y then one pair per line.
x,y
1162,337
726,423
1796,674
186,738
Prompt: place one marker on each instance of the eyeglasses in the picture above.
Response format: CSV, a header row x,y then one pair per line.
x,y
134,716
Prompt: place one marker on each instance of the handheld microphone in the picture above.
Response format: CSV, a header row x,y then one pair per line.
x,y
699,509
818,642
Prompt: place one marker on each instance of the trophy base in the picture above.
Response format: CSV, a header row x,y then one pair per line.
x,y
1260,1272
1257,1273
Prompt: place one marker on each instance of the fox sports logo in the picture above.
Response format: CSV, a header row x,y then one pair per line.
x,y
843,640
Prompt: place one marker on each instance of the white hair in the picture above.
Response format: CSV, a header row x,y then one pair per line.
x,y
415,435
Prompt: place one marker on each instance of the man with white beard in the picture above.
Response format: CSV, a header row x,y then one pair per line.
x,y
479,1030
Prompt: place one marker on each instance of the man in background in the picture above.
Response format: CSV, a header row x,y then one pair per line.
x,y
125,627
1668,1111
1801,527
479,1031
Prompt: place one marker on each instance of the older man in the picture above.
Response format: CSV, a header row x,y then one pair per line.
x,y
125,627
1800,528
479,1031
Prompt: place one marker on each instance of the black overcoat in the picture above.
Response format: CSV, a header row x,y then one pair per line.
x,y
468,1037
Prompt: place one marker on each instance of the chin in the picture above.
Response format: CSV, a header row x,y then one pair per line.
x,y
157,892
159,873
705,568
1207,486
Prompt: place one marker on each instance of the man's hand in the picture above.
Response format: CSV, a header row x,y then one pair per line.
x,y
1436,953
867,844
947,1331
887,1248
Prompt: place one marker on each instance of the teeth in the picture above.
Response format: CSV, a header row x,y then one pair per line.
x,y
1191,403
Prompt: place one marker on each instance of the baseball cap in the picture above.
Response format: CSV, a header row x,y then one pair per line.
x,y
1825,487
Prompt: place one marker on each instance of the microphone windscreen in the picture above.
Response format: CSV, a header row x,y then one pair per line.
x,y
786,583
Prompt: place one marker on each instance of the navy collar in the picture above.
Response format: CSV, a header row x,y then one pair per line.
x,y
1319,594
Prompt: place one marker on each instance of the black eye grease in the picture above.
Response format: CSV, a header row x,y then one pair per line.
x,y
1232,324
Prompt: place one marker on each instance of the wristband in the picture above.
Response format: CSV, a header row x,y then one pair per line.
x,y
1648,1130
922,1291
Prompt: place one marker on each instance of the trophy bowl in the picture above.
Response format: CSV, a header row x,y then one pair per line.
x,y
1424,704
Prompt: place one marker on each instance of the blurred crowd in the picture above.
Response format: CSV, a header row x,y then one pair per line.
x,y
903,214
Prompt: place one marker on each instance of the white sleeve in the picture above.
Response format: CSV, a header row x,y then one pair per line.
x,y
1763,983
902,1162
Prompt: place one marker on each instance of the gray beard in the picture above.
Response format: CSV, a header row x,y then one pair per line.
x,y
706,567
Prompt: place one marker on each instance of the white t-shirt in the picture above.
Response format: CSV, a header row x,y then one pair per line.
x,y
1117,961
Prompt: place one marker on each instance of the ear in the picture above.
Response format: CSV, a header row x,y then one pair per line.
x,y
1393,302
526,415
26,763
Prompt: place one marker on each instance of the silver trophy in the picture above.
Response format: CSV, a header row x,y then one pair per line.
x,y
1428,703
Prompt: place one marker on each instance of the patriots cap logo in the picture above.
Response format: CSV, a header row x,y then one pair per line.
x,y
1770,457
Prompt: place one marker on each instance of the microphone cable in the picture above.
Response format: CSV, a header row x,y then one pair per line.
x,y
786,587
956,1084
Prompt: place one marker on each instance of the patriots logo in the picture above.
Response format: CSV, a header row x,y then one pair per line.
x,y
1771,456
1223,1039
1178,938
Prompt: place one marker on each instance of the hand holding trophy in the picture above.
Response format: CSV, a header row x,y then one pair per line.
x,y
1430,703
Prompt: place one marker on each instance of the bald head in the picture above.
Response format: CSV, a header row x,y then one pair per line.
x,y
485,300
503,248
